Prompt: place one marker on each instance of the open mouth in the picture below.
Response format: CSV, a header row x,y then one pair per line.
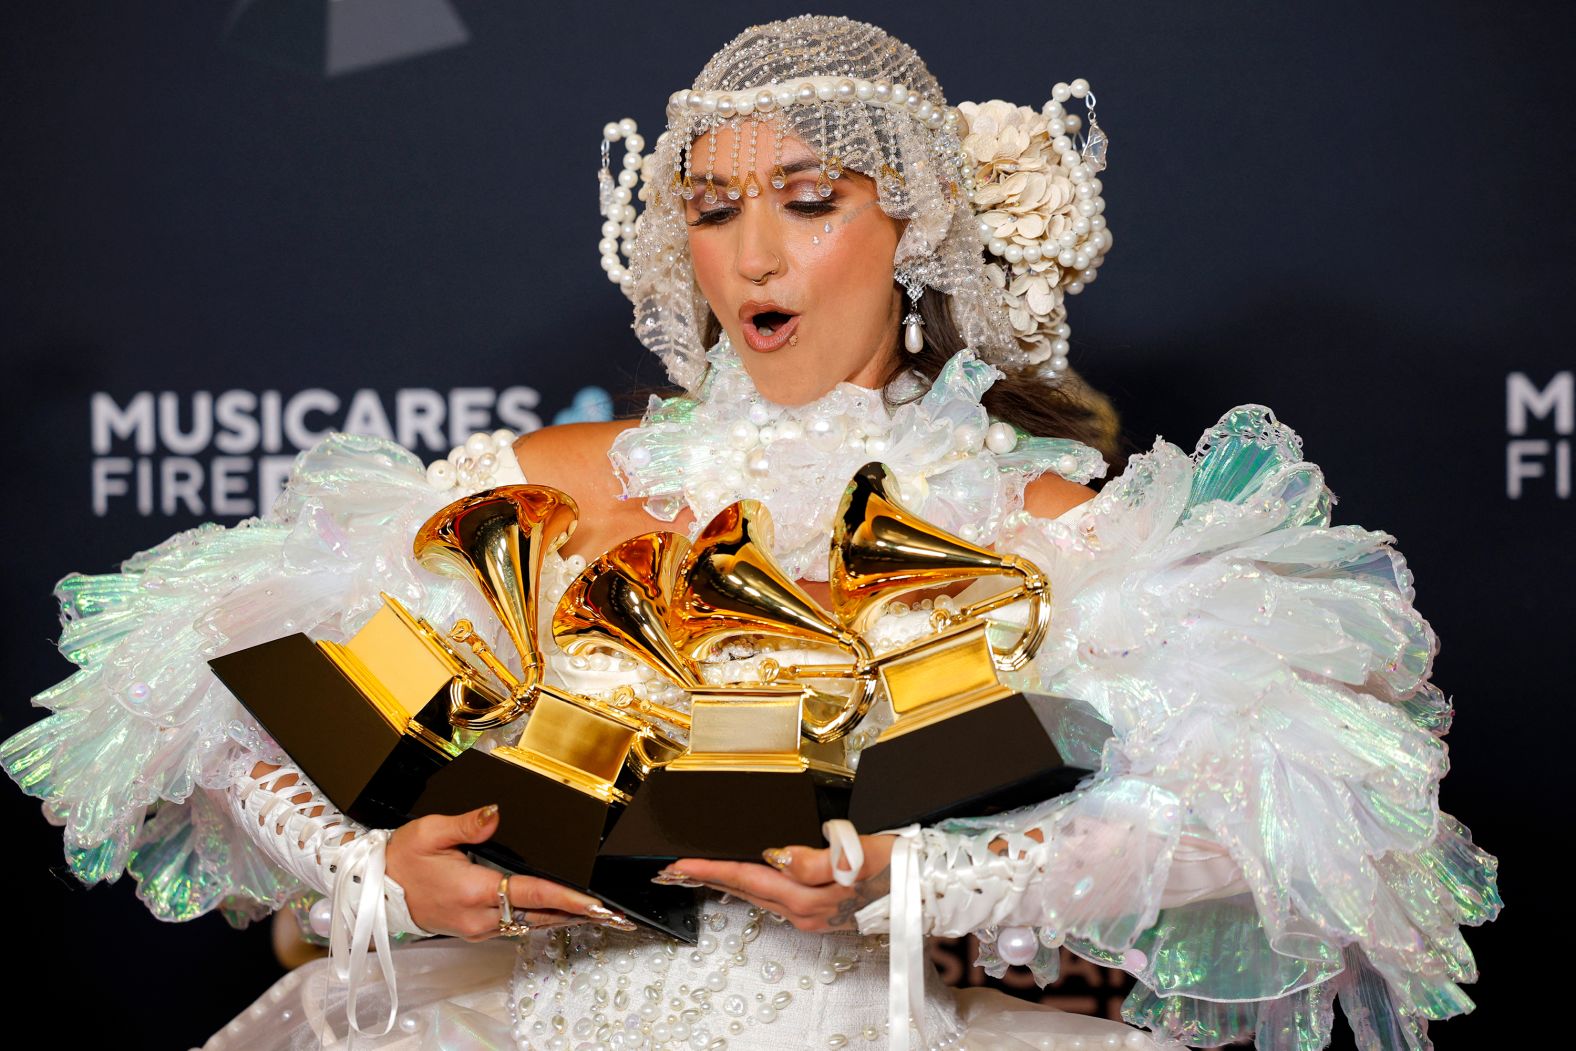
x,y
768,321
767,326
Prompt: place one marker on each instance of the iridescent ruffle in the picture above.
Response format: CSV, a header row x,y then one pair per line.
x,y
143,739
1265,672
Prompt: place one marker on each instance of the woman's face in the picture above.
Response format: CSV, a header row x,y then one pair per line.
x,y
801,284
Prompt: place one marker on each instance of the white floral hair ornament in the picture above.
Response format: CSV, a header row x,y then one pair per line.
x,y
1003,209
1040,211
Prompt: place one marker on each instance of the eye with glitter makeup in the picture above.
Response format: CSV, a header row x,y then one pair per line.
x,y
811,206
713,216
811,209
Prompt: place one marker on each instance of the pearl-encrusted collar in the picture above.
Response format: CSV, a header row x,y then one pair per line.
x,y
957,467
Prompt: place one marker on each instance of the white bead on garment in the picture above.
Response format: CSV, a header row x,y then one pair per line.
x,y
481,461
748,981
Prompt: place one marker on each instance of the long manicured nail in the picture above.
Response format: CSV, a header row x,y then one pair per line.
x,y
606,915
778,858
619,924
675,879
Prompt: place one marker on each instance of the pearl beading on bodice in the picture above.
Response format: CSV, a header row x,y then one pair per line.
x,y
749,981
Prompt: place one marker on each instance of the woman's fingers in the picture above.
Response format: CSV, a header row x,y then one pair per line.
x,y
756,882
808,865
485,926
449,894
440,832
531,893
812,866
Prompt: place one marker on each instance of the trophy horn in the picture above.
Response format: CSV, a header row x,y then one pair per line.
x,y
497,540
881,551
730,584
621,600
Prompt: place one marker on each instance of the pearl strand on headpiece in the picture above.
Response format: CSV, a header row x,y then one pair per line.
x,y
804,91
618,209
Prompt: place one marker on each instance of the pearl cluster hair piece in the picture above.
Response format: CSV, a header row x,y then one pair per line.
x,y
1005,236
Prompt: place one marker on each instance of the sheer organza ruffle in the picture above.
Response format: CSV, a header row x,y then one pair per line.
x,y
1263,679
143,738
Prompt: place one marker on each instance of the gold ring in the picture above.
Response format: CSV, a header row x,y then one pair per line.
x,y
508,926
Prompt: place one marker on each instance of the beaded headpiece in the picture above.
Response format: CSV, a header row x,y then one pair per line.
x,y
1003,208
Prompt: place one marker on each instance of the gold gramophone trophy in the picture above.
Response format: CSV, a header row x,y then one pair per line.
x,y
559,785
748,779
960,742
371,719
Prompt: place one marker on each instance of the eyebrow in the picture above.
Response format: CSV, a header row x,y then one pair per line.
x,y
801,165
788,169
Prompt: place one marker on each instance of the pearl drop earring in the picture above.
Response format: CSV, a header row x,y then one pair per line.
x,y
913,323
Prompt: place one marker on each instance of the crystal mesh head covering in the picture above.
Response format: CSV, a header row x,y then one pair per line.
x,y
864,102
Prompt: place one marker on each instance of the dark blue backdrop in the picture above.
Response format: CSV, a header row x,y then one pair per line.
x,y
1354,213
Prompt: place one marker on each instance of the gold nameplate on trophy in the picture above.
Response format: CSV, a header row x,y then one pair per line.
x,y
747,728
581,747
938,677
400,665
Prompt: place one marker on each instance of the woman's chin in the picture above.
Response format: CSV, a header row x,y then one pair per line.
x,y
791,391
795,376
785,379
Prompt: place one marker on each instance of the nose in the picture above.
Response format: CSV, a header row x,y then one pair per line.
x,y
758,254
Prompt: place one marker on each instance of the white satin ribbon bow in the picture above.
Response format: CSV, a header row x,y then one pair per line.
x,y
361,922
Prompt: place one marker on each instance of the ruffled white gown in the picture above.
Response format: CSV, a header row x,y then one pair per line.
x,y
1260,685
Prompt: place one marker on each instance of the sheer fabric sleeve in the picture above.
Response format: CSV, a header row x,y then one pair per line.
x,y
144,748
1256,688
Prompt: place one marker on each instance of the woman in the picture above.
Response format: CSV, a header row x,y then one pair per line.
x,y
1261,834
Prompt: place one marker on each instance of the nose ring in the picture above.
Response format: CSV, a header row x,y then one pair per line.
x,y
777,264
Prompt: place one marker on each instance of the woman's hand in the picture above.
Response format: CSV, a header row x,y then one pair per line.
x,y
798,884
448,894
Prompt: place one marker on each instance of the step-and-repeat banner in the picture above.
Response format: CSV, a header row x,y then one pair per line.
x,y
233,228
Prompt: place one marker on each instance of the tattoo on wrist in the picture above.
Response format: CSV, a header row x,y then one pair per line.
x,y
870,889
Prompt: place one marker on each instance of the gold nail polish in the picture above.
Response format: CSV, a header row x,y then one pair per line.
x,y
675,879
607,915
778,858
489,812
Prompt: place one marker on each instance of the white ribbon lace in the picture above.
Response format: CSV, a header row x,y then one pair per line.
x,y
302,831
906,983
361,922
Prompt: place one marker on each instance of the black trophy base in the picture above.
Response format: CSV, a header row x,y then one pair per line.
x,y
550,830
366,768
727,815
992,758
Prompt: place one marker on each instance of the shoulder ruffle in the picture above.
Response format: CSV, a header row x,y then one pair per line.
x,y
1265,680
143,736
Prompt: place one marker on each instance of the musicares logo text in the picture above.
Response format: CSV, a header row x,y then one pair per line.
x,y
229,453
